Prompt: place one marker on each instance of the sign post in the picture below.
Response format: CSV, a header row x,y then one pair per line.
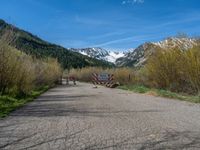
x,y
103,77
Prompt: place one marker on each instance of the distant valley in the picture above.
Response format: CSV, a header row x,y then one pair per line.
x,y
100,53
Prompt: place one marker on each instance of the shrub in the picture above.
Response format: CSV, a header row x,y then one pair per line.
x,y
175,70
20,73
121,75
191,68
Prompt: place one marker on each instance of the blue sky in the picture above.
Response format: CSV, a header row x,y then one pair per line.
x,y
111,24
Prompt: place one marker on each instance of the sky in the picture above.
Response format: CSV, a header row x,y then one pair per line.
x,y
117,25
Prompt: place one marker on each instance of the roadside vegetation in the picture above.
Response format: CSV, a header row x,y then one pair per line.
x,y
120,74
23,77
170,73
175,70
10,103
161,93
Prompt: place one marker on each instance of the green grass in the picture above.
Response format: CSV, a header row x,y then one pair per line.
x,y
161,93
135,88
9,104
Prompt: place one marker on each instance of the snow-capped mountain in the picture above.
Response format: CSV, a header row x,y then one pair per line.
x,y
138,56
182,43
113,56
100,53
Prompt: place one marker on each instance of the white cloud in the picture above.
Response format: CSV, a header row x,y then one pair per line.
x,y
124,2
131,39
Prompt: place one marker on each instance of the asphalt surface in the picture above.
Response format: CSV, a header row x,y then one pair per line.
x,y
83,117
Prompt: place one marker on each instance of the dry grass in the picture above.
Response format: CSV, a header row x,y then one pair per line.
x,y
121,75
175,70
20,73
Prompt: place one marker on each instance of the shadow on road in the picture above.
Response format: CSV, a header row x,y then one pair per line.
x,y
51,106
51,110
55,104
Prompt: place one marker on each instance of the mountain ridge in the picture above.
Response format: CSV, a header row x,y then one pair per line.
x,y
140,55
100,53
33,45
82,57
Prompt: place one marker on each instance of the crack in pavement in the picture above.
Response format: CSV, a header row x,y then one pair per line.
x,y
83,118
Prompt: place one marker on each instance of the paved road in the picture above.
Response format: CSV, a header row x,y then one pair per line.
x,y
81,117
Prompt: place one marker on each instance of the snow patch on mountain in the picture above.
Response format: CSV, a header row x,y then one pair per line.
x,y
140,55
182,43
113,56
100,53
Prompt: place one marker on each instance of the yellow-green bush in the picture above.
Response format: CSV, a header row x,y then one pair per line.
x,y
171,69
46,71
84,74
121,75
20,73
175,70
124,75
191,67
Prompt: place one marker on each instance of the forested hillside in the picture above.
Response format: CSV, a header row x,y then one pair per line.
x,y
32,45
